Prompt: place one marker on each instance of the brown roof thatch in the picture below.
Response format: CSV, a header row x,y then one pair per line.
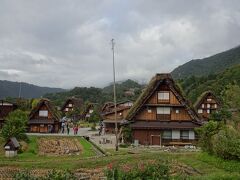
x,y
77,102
152,87
50,107
110,109
203,96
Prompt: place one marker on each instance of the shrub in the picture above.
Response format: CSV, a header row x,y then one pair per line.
x,y
226,144
127,134
206,133
15,126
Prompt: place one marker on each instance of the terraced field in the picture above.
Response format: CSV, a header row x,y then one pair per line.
x,y
59,146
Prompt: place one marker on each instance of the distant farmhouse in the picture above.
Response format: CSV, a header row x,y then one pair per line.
x,y
71,103
5,108
88,111
207,104
44,118
162,116
108,114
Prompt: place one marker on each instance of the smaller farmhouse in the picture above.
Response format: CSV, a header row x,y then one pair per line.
x,y
71,103
108,114
5,108
44,118
207,104
88,111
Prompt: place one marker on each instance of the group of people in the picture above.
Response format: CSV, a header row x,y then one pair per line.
x,y
66,125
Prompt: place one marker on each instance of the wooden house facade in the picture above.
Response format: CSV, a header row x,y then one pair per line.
x,y
71,103
207,104
162,116
44,118
108,114
5,108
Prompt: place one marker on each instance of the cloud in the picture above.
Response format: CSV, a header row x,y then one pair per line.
x,y
65,43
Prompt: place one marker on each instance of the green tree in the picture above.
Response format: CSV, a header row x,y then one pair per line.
x,y
222,115
206,132
15,126
35,102
232,96
95,116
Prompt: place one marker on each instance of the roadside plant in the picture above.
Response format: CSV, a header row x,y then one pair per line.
x,y
15,126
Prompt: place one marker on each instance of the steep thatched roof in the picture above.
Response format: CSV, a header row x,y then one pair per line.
x,y
77,102
50,107
203,96
152,87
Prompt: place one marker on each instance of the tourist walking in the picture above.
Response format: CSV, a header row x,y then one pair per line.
x,y
68,129
63,127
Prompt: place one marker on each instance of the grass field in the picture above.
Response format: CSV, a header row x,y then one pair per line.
x,y
209,167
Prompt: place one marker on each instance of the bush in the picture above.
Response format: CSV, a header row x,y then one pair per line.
x,y
93,127
206,133
226,144
15,126
127,134
148,170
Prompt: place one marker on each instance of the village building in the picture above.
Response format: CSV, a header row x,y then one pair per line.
x,y
108,114
44,118
88,111
72,103
162,116
207,104
5,108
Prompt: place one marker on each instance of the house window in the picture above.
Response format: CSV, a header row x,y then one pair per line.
x,y
177,111
149,110
70,105
208,105
66,109
163,110
208,111
202,105
90,111
163,96
167,134
200,111
184,134
43,113
215,105
209,99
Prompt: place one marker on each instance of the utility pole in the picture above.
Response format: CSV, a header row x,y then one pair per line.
x,y
20,90
114,95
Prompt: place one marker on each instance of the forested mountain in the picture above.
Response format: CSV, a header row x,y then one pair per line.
x,y
210,65
126,90
195,86
11,89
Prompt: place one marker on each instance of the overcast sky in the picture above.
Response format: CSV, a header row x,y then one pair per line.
x,y
66,43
